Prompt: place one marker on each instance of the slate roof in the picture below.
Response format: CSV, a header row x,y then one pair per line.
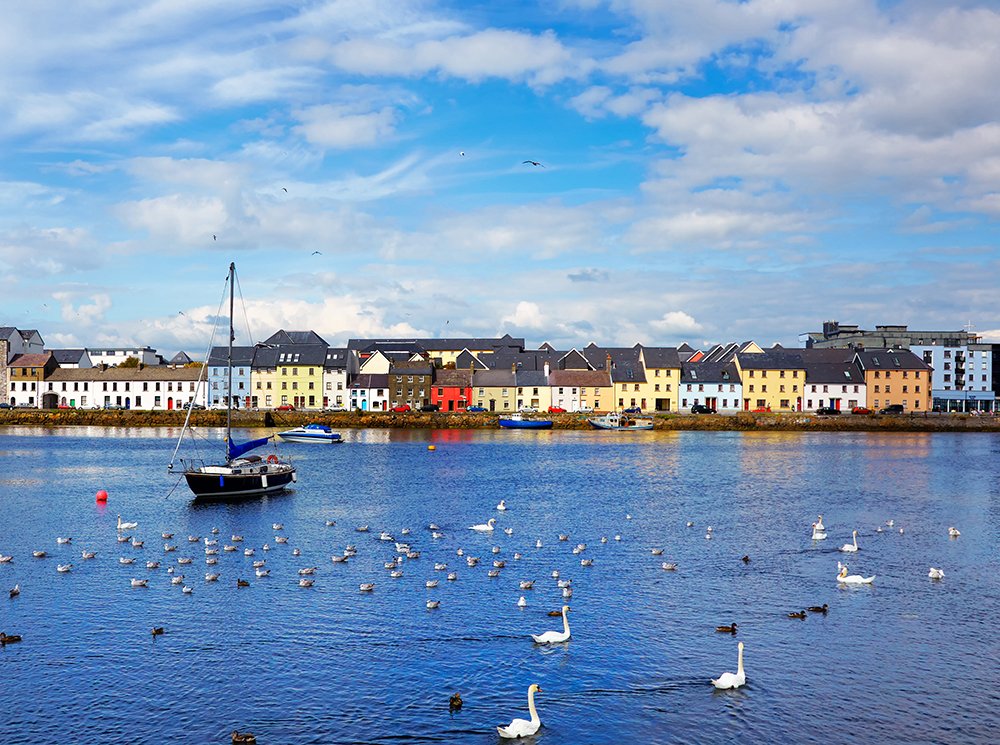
x,y
181,358
458,378
67,356
441,344
709,372
242,356
772,360
661,357
531,379
370,380
890,359
493,379
117,374
302,354
411,367
625,364
580,379
295,337
263,358
336,358
6,331
26,334
467,358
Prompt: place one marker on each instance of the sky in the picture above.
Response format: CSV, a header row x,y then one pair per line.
x,y
709,170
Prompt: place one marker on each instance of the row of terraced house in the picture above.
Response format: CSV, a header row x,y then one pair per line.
x,y
298,369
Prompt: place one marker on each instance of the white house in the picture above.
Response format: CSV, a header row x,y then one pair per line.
x,y
713,384
156,388
340,364
369,392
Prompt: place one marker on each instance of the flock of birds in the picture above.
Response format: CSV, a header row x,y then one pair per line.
x,y
403,550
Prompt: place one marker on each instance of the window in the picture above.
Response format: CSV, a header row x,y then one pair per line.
x,y
763,389
751,387
781,389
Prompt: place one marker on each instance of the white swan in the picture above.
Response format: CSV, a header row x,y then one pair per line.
x,y
853,579
126,526
522,602
936,573
554,637
851,547
486,527
818,525
818,534
732,680
523,727
63,540
953,532
502,506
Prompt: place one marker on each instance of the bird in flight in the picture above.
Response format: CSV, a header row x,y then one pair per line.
x,y
462,154
532,162
315,253
214,238
284,189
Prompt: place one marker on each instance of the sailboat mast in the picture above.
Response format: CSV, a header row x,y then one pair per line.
x,y
229,360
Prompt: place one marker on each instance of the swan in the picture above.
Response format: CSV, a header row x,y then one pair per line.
x,y
508,531
179,579
385,535
554,637
126,526
818,534
502,506
953,532
818,525
853,579
486,527
186,590
522,602
538,543
936,573
567,592
851,547
731,680
262,573
64,540
523,727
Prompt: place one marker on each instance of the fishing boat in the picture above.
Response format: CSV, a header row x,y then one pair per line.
x,y
620,422
240,476
519,421
311,433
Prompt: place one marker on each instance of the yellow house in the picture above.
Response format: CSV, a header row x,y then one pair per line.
x,y
495,390
264,384
773,379
300,376
663,377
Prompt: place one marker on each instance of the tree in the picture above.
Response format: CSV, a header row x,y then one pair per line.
x,y
130,362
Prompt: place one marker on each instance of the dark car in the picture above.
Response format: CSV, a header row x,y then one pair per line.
x,y
633,410
193,406
430,407
702,409
475,409
892,409
861,410
401,408
6,406
827,411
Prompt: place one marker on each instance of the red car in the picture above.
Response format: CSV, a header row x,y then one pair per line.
x,y
286,407
401,408
762,409
861,410
557,410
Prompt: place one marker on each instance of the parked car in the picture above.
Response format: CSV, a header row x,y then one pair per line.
x,y
286,407
6,406
762,410
585,410
892,409
401,408
114,407
475,409
702,409
528,410
337,408
557,410
861,410
827,411
193,406
633,410
430,407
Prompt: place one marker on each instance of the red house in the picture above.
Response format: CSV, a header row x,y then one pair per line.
x,y
452,389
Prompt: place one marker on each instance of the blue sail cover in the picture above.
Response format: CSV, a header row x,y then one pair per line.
x,y
235,451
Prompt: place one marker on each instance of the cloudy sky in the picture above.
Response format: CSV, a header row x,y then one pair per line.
x,y
711,170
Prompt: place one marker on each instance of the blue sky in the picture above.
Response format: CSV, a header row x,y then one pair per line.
x,y
713,170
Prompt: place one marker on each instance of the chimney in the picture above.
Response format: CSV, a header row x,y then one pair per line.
x,y
607,363
104,366
141,365
546,368
513,367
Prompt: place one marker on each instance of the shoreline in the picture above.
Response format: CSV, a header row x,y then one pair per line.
x,y
742,421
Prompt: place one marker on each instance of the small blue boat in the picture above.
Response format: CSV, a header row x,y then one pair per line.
x,y
518,421
311,433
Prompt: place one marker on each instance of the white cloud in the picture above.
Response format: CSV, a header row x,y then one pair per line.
x,y
342,127
81,312
526,315
676,322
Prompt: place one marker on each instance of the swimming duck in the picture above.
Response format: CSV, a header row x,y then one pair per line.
x,y
434,526
6,559
554,613
563,537
296,552
440,567
338,559
526,585
452,576
262,573
246,738
38,554
436,535
555,574
166,536
156,631
851,547
306,582
211,552
396,574
124,538
248,552
567,592
229,548
499,564
731,629
656,551
329,523
554,637
432,604
308,570
517,556
187,590
431,583
88,554
383,536
586,562
508,531
215,531
265,547
236,538
211,561
242,583
126,560
799,615
523,727
211,577
618,536
9,639
259,563
64,540
455,702
63,568
140,582
137,543
953,532
732,680
818,608
367,586
167,548
936,573
184,560
690,524
486,527
15,590
405,531
362,529
493,573
179,579
745,559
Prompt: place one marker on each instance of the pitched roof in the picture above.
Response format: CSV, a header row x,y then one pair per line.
x,y
625,364
467,358
242,356
370,380
148,373
771,360
410,367
68,356
30,360
710,372
336,358
302,354
181,358
493,379
890,359
660,357
457,378
530,378
580,378
295,337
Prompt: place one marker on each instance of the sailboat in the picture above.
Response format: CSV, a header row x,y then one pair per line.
x,y
241,476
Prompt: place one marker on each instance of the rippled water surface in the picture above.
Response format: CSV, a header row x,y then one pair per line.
x,y
908,659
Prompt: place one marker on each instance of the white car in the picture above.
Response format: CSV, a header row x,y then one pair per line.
x,y
528,410
585,410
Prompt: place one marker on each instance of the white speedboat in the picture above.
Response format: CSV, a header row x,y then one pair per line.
x,y
311,433
620,422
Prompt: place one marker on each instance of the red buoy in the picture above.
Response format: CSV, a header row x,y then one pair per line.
x,y
102,496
